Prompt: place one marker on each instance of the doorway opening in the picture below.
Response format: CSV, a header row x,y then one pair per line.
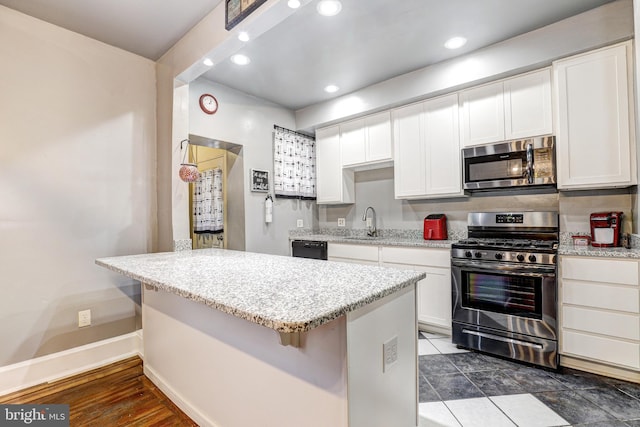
x,y
216,201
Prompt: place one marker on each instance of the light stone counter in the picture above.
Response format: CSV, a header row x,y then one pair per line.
x,y
590,251
377,241
282,293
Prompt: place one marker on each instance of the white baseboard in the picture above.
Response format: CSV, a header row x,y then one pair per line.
x,y
186,407
70,362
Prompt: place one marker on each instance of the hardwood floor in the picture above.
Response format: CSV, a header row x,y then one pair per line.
x,y
115,395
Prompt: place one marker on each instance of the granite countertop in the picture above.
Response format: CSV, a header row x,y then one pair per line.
x,y
377,241
590,251
280,292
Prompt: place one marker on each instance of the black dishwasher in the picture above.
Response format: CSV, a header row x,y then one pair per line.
x,y
309,249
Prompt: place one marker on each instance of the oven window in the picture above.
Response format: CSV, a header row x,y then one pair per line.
x,y
503,293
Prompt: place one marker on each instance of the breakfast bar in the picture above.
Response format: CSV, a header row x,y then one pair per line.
x,y
239,338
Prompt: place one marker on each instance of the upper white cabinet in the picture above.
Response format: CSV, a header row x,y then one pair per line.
x,y
409,156
367,140
595,139
334,185
527,105
515,108
482,111
427,149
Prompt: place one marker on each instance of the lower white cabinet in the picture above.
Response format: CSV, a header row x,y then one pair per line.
x,y
359,254
600,310
434,291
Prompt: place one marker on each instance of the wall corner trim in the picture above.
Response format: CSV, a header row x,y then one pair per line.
x,y
51,367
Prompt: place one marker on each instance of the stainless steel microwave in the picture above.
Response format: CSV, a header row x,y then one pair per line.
x,y
522,163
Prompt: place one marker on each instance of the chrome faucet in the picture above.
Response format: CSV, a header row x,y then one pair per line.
x,y
371,232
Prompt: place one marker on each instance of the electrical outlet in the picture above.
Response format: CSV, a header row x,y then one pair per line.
x,y
84,318
341,222
300,223
369,222
389,353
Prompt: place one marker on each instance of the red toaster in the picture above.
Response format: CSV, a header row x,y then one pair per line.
x,y
435,227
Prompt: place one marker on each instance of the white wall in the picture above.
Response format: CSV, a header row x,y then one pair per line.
x,y
248,121
375,188
77,179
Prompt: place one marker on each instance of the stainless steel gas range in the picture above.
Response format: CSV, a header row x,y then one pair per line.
x,y
504,289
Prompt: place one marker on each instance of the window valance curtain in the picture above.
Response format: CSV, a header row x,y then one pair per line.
x,y
294,164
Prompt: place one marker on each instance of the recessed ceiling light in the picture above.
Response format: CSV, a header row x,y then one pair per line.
x,y
240,59
293,4
331,88
455,42
243,36
208,62
329,7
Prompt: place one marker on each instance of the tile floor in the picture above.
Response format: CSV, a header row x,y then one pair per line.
x,y
469,389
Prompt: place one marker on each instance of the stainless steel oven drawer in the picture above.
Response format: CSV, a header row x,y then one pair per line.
x,y
525,348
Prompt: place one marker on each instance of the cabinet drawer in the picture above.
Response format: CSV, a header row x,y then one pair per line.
x,y
356,252
417,256
601,322
600,348
600,296
600,270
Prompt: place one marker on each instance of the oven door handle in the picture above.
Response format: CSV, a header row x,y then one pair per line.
x,y
497,267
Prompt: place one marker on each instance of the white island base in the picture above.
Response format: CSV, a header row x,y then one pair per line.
x,y
225,371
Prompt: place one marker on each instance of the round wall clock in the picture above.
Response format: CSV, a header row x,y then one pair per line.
x,y
208,103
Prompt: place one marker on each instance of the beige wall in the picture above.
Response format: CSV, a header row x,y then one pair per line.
x,y
248,121
77,182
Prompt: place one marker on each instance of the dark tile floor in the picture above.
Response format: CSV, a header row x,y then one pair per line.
x,y
473,389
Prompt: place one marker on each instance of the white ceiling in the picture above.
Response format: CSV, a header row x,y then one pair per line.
x,y
368,42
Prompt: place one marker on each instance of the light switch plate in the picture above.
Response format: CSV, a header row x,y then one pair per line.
x,y
341,222
300,223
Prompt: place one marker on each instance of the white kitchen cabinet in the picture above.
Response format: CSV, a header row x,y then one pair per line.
x,y
482,114
527,105
334,184
359,254
352,142
434,291
595,139
366,141
515,108
600,311
410,179
427,149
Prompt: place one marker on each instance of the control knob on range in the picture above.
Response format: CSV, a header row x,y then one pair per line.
x,y
468,254
532,258
498,255
520,257
478,254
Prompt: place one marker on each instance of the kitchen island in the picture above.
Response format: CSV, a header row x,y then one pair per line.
x,y
242,339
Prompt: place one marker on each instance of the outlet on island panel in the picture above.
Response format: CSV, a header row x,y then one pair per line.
x,y
84,318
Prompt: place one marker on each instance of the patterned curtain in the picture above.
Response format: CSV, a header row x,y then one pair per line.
x,y
294,164
208,203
